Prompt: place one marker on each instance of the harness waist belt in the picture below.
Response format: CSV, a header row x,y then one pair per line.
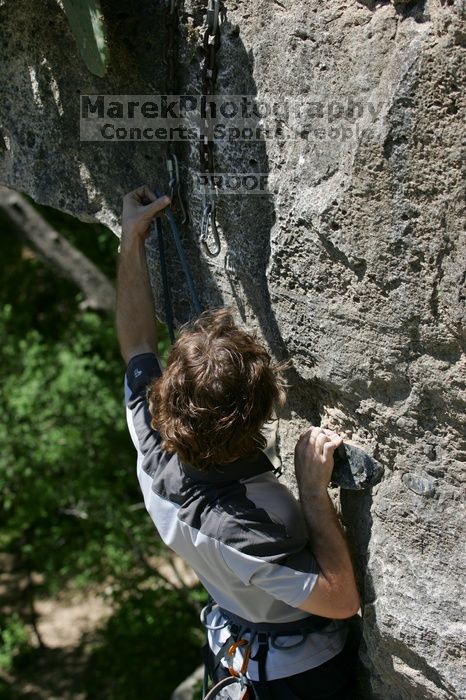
x,y
309,623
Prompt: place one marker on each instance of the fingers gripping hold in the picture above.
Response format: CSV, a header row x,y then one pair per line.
x,y
320,441
141,195
314,456
310,434
139,208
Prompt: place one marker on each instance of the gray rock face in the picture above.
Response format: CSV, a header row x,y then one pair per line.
x,y
351,265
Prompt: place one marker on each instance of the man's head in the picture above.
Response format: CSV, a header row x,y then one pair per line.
x,y
219,388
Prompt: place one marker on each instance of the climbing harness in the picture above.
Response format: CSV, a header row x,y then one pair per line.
x,y
209,237
236,686
266,634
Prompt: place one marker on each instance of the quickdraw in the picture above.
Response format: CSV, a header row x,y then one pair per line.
x,y
174,184
209,224
174,190
171,159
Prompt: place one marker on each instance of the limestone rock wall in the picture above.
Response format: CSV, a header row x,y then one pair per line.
x,y
352,264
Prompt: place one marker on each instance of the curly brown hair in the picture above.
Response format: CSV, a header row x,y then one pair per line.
x,y
219,388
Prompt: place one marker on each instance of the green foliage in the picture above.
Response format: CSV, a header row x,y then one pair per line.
x,y
13,639
39,299
148,646
198,691
88,27
66,464
67,471
71,505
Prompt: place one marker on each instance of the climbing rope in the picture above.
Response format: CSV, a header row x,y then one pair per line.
x,y
167,301
209,237
184,265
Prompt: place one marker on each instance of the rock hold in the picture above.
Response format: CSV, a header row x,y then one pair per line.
x,y
354,469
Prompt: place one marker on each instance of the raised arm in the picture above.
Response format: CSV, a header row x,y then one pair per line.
x,y
135,313
335,593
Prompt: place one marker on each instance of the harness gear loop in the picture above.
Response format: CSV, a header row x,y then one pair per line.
x,y
203,617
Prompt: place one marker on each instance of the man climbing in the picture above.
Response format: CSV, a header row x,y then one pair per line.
x,y
279,573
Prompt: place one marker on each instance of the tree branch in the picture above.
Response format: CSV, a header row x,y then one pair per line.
x,y
57,253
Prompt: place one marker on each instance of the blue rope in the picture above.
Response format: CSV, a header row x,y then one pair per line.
x,y
166,289
163,267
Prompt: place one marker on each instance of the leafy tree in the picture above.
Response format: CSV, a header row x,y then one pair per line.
x,y
71,507
151,640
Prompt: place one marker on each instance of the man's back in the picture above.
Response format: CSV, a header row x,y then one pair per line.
x,y
208,408
240,529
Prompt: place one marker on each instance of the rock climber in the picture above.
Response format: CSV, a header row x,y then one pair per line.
x,y
265,559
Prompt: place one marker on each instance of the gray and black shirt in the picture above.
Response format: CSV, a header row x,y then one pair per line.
x,y
240,529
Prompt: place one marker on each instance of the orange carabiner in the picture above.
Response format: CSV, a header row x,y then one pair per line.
x,y
231,652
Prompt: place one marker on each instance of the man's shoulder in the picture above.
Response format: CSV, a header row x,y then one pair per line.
x,y
141,369
142,364
267,493
261,518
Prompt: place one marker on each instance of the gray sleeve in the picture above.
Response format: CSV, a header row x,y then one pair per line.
x,y
290,580
141,370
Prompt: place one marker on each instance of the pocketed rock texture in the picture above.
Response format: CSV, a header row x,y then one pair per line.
x,y
351,265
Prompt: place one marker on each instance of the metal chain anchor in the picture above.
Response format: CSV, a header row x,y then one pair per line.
x,y
175,194
171,159
209,236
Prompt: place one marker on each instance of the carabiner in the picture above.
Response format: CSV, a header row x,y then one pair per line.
x,y
171,179
230,655
174,183
208,223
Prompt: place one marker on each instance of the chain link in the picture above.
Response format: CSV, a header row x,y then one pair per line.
x,y
209,237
